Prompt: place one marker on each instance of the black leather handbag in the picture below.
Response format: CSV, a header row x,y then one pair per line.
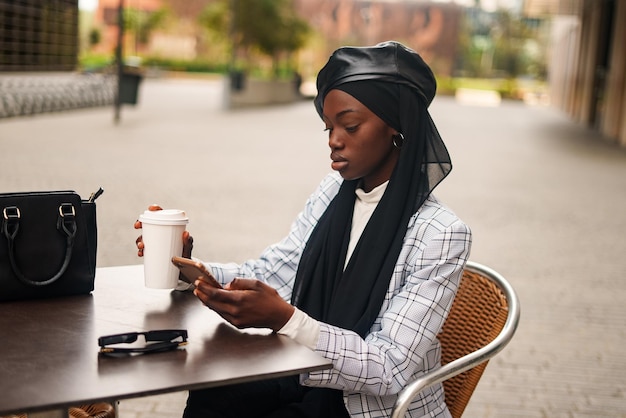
x,y
48,244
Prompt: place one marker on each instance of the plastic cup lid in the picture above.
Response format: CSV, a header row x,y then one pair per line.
x,y
165,217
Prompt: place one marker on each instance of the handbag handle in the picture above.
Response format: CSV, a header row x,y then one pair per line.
x,y
66,224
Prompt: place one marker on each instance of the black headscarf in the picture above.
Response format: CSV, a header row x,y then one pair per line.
x,y
396,84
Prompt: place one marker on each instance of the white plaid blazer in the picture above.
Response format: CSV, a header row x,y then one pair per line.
x,y
402,342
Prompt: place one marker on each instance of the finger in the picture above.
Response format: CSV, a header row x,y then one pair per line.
x,y
187,244
140,245
239,283
226,304
154,207
216,299
137,224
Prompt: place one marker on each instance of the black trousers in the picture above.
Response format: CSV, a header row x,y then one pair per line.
x,y
274,398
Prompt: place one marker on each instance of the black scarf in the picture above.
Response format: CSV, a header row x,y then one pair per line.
x,y
352,298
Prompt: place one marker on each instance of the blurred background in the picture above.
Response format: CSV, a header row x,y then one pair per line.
x,y
568,53
206,105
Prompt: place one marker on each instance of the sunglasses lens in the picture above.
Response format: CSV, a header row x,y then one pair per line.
x,y
130,337
166,335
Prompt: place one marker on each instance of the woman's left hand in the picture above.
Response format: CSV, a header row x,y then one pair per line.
x,y
246,303
187,238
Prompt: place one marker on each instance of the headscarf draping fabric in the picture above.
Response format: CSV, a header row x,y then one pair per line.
x,y
395,84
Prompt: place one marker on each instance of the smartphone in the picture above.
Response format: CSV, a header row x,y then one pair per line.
x,y
192,270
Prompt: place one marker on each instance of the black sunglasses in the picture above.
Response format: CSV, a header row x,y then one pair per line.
x,y
156,341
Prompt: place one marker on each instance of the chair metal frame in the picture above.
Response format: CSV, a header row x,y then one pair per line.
x,y
475,358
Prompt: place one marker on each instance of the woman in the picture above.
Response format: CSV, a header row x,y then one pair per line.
x,y
369,270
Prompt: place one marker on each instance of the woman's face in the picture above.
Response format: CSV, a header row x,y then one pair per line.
x,y
361,143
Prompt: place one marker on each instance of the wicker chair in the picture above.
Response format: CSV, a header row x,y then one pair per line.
x,y
483,319
96,410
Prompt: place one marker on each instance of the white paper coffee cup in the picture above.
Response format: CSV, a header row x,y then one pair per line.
x,y
163,239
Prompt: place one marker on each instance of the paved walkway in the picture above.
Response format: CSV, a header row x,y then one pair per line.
x,y
544,197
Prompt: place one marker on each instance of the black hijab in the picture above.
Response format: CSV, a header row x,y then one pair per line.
x,y
397,85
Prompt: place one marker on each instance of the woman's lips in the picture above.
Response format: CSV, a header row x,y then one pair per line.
x,y
338,162
338,165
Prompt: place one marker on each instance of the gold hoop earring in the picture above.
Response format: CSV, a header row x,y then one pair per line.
x,y
398,140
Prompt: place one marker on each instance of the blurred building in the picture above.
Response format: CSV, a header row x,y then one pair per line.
x,y
430,28
587,70
38,35
39,46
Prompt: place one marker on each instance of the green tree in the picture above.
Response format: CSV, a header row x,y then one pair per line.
x,y
142,23
269,27
513,38
501,43
95,36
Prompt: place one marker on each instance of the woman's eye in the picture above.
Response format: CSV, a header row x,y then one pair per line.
x,y
352,129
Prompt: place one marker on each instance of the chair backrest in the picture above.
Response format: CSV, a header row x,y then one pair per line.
x,y
482,321
96,410
478,314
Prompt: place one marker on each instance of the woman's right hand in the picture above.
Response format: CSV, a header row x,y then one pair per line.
x,y
187,238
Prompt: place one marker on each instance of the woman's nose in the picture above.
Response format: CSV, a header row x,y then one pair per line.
x,y
333,140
